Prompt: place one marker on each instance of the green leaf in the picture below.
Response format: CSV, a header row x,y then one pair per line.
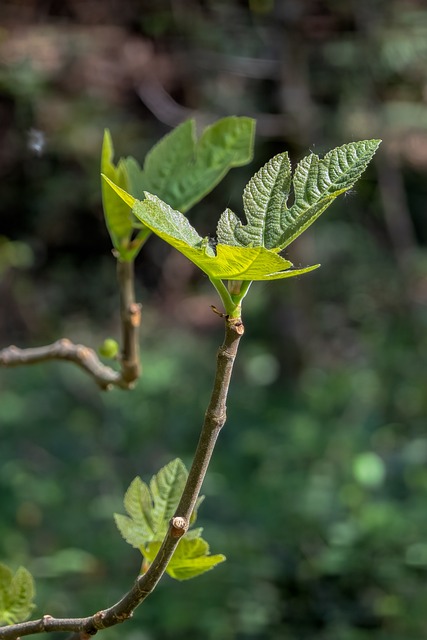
x,y
181,170
250,252
118,215
317,182
166,488
149,512
150,508
190,559
225,262
16,595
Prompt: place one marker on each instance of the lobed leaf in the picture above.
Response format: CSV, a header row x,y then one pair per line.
x,y
225,262
180,169
16,595
317,182
150,508
250,252
149,512
228,263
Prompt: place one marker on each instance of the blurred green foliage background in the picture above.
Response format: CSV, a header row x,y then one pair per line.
x,y
317,492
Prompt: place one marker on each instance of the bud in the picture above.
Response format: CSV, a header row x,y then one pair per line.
x,y
109,348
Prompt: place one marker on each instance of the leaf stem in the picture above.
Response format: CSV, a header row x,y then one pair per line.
x,y
244,288
232,308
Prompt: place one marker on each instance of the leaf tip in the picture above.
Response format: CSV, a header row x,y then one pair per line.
x,y
124,195
107,136
151,197
374,143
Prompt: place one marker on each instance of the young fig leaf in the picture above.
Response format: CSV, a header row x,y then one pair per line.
x,y
180,169
225,262
150,508
317,182
16,595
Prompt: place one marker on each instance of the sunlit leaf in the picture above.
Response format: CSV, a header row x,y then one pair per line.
x,y
223,262
150,509
190,559
316,182
250,251
16,595
180,169
118,215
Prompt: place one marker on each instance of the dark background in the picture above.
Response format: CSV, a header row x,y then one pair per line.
x,y
317,492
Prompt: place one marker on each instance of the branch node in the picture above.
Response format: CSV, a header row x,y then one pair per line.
x,y
135,314
82,352
216,421
237,325
98,620
179,526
